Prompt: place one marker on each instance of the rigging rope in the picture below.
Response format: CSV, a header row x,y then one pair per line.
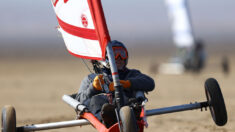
x,y
87,66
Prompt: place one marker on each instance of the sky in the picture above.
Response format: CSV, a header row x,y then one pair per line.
x,y
25,21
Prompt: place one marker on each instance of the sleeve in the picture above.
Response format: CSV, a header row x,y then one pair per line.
x,y
141,81
86,90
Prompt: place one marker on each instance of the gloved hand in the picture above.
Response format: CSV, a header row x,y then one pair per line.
x,y
98,82
126,84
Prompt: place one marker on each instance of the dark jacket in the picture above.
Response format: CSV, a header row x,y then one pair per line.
x,y
139,82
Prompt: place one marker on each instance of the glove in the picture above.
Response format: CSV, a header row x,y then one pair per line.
x,y
126,84
97,82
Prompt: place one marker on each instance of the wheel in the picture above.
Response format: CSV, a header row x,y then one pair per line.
x,y
216,102
128,120
8,119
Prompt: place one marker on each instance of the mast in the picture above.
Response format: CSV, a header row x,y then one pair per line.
x,y
115,76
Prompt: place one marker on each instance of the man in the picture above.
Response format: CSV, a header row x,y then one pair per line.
x,y
91,91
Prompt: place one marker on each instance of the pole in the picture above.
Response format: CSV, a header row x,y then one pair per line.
x,y
116,81
54,125
177,108
74,103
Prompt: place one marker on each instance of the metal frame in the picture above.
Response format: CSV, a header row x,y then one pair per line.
x,y
54,125
78,106
119,100
177,108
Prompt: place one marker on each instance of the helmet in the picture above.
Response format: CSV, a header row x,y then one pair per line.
x,y
119,50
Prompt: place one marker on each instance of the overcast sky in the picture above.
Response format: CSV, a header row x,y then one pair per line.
x,y
134,19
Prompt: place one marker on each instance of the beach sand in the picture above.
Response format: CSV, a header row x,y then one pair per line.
x,y
35,88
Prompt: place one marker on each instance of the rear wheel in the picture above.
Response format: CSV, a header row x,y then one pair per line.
x,y
128,120
8,119
216,102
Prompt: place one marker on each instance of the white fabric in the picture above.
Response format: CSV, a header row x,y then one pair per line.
x,y
71,13
83,47
181,26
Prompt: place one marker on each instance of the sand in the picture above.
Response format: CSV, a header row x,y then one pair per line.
x,y
35,87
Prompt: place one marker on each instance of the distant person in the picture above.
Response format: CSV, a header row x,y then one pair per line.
x,y
200,53
198,58
92,95
153,69
225,65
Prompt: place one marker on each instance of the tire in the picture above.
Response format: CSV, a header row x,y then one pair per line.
x,y
216,102
8,119
128,120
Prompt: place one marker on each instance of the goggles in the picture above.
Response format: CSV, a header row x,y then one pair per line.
x,y
120,51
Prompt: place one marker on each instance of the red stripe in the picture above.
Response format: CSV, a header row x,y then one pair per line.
x,y
76,31
115,73
56,2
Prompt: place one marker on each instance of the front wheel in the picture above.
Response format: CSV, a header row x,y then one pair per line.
x,y
8,119
128,120
216,102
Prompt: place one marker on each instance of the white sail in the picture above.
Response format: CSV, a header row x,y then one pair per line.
x,y
181,26
83,27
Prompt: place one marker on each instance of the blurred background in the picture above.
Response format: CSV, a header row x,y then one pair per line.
x,y
36,69
27,26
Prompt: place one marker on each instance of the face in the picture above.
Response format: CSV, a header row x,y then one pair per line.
x,y
121,55
120,63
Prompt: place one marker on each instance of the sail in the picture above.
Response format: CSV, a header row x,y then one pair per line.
x,y
181,24
83,27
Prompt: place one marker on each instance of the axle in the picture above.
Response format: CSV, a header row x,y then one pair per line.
x,y
55,125
177,108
